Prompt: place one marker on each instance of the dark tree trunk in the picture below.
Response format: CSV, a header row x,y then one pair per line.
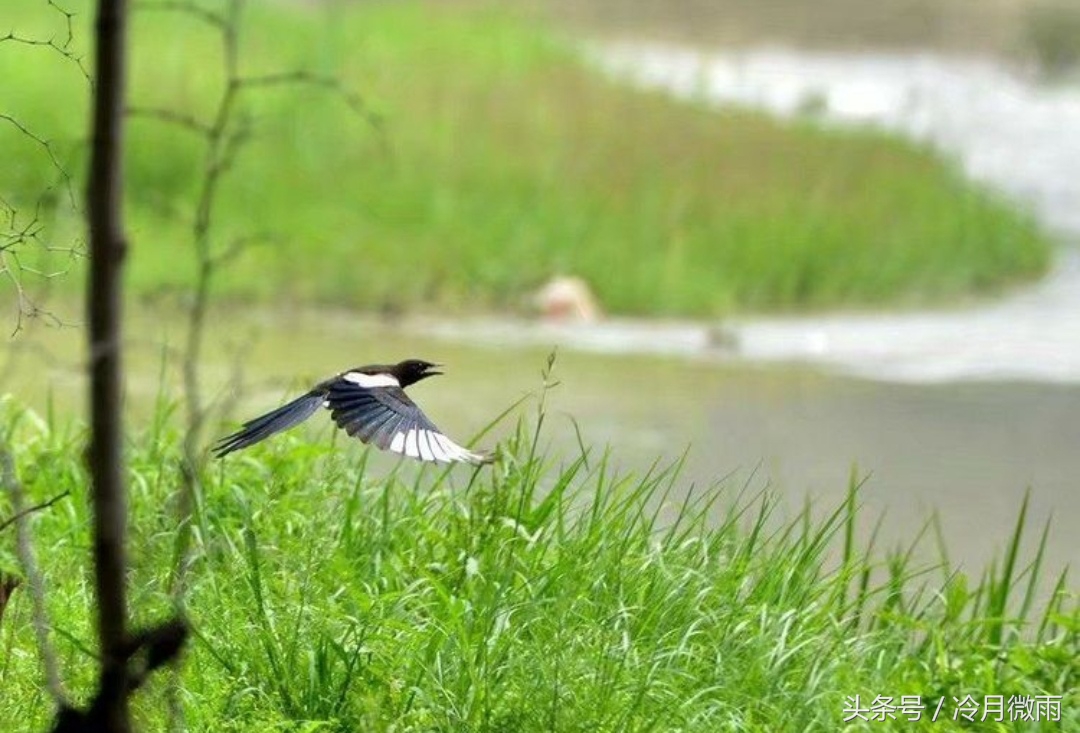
x,y
107,250
8,584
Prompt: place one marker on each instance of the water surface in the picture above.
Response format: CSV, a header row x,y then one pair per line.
x,y
967,450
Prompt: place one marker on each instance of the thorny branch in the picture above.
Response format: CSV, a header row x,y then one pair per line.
x,y
17,233
48,148
14,238
64,47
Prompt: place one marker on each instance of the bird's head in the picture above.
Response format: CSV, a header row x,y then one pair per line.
x,y
412,371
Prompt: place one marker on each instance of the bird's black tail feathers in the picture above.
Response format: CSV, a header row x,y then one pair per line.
x,y
283,418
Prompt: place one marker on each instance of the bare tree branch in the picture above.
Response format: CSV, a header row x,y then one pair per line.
x,y
320,81
171,116
16,234
15,239
125,659
64,47
47,147
25,548
29,510
224,134
205,15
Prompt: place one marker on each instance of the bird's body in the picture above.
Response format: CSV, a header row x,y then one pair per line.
x,y
368,403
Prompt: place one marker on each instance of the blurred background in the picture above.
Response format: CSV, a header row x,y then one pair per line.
x,y
800,239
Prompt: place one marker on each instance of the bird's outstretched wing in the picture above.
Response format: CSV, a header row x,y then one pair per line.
x,y
385,417
263,427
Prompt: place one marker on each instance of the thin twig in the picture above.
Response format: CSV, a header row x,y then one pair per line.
x,y
15,237
62,48
321,81
240,245
20,232
30,510
47,147
173,117
174,6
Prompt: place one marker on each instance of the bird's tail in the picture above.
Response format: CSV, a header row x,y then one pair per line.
x,y
283,418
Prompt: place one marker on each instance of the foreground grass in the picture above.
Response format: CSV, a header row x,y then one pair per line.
x,y
538,595
503,160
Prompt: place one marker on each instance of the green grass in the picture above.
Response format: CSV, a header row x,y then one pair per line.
x,y
958,27
546,593
501,161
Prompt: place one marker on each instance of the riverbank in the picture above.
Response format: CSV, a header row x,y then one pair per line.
x,y
502,159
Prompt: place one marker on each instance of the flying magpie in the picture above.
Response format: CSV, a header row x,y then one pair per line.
x,y
368,403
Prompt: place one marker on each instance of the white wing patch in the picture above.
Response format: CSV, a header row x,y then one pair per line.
x,y
437,451
428,445
422,444
410,444
371,381
398,443
453,451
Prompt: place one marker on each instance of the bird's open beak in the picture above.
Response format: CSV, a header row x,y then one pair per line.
x,y
429,372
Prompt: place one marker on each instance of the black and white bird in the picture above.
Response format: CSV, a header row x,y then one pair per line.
x,y
368,403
